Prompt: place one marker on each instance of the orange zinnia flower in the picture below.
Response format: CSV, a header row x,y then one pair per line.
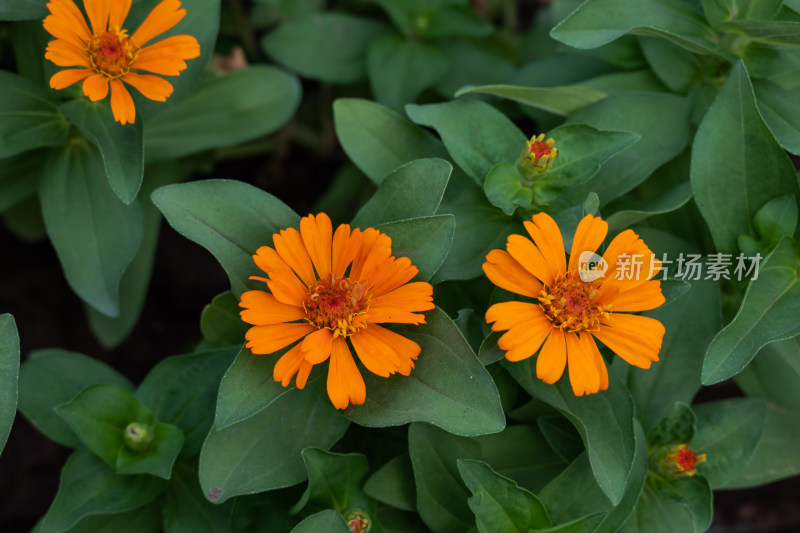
x,y
327,288
570,311
107,56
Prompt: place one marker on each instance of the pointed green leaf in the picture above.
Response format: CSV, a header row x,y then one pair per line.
x,y
263,452
561,435
379,140
187,511
334,480
735,151
655,514
20,176
329,521
22,10
393,484
220,321
49,378
768,313
774,374
677,428
448,387
781,113
9,375
676,67
667,202
120,146
425,241
224,111
96,236
564,101
604,420
413,190
230,219
143,520
500,506
721,11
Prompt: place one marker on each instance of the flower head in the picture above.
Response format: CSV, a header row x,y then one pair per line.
x,y
679,460
570,313
538,154
331,291
107,55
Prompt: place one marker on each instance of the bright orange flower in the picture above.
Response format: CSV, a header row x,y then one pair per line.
x,y
328,288
108,56
570,312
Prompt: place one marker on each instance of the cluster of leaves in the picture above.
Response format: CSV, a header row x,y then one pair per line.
x,y
673,117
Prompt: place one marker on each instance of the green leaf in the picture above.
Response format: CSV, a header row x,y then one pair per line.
x,y
20,176
774,374
604,420
400,69
781,113
96,236
230,219
505,188
9,375
476,135
120,146
564,101
499,505
143,520
676,67
263,452
224,111
576,493
662,121
28,118
775,456
182,391
775,220
655,514
677,428
586,524
393,484
247,388
413,190
378,140
49,378
767,314
728,432
334,480
187,511
448,387
425,241
748,164
475,62
770,32
110,331
305,45
88,487
480,227
329,521
441,493
720,11
220,321
22,10
597,22
423,19
561,435
669,201
99,416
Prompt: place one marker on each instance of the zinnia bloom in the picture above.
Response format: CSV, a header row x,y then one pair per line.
x,y
570,313
333,290
539,154
107,56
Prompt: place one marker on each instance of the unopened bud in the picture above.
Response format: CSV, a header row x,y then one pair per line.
x,y
138,437
358,521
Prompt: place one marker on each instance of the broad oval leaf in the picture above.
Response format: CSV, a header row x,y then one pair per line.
x,y
448,387
425,241
564,101
230,219
220,321
9,375
328,520
186,511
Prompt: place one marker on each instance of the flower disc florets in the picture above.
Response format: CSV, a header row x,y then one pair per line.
x,y
538,154
112,53
335,304
569,304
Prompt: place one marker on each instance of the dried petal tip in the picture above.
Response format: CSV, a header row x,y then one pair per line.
x,y
358,521
539,154
680,461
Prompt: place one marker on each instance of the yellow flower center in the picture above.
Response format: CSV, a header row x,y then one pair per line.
x,y
112,53
569,304
335,304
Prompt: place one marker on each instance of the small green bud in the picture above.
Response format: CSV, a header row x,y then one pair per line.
x,y
138,437
358,521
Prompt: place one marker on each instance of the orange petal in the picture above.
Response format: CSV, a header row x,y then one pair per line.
x,y
376,249
95,87
317,235
384,352
584,376
283,283
163,17
166,57
164,66
395,272
262,308
122,103
151,87
630,263
346,244
118,12
589,345
70,18
552,357
637,339
506,315
65,78
641,297
65,54
271,338
345,384
547,237
317,346
97,10
289,245
530,258
505,272
399,305
588,237
288,365
524,340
